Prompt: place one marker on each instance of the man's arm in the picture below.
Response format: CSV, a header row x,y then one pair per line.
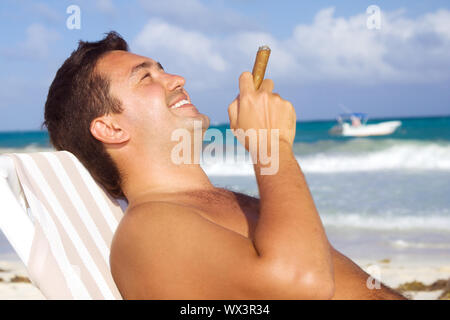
x,y
350,279
351,282
289,228
289,233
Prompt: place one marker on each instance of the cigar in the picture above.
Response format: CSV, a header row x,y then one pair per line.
x,y
259,69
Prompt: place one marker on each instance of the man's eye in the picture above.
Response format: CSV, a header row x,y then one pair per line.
x,y
146,75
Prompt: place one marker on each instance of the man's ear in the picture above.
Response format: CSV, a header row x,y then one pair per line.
x,y
107,130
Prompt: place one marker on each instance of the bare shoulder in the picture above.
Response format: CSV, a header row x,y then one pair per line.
x,y
167,243
154,211
144,244
149,221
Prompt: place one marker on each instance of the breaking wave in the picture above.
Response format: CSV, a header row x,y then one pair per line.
x,y
349,158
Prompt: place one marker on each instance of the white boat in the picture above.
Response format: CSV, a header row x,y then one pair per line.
x,y
355,125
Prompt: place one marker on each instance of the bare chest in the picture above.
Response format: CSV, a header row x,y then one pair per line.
x,y
236,219
233,211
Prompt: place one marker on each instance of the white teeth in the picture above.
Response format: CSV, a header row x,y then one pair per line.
x,y
179,104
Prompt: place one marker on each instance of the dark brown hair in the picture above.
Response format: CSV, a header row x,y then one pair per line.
x,y
77,96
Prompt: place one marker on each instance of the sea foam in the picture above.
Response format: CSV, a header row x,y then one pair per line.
x,y
437,222
403,156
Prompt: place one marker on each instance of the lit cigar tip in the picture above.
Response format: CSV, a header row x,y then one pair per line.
x,y
264,47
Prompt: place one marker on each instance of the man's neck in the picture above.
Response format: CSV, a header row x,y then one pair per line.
x,y
148,176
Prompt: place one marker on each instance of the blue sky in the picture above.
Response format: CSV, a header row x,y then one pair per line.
x,y
323,55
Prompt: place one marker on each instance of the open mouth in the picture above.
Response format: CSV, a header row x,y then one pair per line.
x,y
180,104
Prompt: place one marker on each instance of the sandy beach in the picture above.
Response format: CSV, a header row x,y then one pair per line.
x,y
14,283
417,280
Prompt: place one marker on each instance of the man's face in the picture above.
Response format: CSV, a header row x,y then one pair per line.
x,y
154,102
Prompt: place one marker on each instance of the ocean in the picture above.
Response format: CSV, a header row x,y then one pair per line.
x,y
378,197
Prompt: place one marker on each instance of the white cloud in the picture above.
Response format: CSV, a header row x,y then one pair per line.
x,y
330,49
337,48
187,51
178,8
198,16
48,13
403,50
106,6
38,39
36,44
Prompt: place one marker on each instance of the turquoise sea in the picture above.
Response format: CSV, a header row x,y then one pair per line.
x,y
418,129
379,197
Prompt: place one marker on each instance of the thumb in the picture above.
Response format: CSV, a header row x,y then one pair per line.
x,y
233,112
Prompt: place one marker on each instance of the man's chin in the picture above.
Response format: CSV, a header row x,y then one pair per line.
x,y
205,122
196,121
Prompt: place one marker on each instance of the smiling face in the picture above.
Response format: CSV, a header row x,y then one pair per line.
x,y
154,102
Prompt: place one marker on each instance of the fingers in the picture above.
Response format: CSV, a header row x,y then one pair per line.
x,y
233,112
246,83
266,85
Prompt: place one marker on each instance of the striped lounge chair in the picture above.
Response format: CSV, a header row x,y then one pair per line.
x,y
60,222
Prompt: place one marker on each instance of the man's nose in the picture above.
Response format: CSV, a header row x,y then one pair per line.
x,y
175,82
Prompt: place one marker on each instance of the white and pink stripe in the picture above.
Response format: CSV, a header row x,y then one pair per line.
x,y
74,222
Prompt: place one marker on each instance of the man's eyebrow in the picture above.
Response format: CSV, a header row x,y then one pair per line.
x,y
143,65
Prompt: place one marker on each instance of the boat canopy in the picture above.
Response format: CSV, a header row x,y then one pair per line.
x,y
343,117
348,116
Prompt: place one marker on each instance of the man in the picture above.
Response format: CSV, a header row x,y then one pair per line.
x,y
181,237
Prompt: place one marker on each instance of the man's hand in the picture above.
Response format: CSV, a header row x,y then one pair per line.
x,y
261,109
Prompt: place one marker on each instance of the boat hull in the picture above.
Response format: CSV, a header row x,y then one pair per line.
x,y
365,130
